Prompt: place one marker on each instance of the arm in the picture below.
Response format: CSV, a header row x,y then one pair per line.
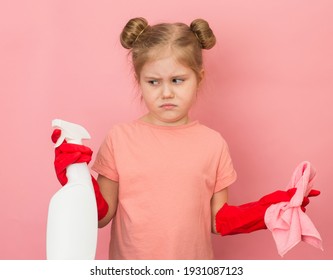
x,y
216,203
109,190
250,217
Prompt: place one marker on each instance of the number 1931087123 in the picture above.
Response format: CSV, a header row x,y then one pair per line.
x,y
210,270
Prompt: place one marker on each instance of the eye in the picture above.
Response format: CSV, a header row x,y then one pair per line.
x,y
153,82
177,80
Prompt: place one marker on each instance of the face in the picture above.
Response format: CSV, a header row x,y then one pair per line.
x,y
169,90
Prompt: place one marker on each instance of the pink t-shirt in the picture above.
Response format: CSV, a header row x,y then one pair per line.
x,y
167,176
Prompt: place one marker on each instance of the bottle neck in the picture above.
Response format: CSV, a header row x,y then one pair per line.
x,y
78,173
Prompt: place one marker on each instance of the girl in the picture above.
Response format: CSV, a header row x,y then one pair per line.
x,y
163,179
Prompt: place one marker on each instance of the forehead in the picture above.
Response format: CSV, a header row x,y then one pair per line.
x,y
164,63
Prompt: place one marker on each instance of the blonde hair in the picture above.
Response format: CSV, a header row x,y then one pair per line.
x,y
145,41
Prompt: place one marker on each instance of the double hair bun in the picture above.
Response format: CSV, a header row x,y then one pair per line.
x,y
135,27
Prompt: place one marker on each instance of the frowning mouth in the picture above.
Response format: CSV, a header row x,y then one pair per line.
x,y
168,106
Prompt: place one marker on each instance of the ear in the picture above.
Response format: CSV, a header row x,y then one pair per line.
x,y
137,79
201,76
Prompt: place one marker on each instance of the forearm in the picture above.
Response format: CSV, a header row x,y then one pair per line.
x,y
109,191
109,216
106,220
217,201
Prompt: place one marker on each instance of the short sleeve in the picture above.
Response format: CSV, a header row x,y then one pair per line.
x,y
226,174
105,160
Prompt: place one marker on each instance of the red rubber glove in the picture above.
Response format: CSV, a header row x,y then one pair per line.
x,y
67,154
249,217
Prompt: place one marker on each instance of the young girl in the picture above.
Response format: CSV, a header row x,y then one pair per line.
x,y
163,178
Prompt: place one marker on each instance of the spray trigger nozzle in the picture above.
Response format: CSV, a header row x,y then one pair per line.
x,y
73,133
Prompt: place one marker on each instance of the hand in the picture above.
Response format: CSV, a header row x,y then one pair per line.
x,y
67,154
280,196
306,199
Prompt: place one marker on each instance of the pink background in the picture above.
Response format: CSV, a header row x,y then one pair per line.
x,y
268,90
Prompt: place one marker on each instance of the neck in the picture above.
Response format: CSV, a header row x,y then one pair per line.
x,y
149,118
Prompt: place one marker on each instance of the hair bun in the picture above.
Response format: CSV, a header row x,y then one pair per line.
x,y
204,33
132,30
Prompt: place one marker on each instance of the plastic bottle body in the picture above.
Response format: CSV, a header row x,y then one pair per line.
x,y
72,221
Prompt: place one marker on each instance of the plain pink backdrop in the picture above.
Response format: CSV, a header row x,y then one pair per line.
x,y
268,90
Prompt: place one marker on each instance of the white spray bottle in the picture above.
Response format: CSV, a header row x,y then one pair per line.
x,y
72,224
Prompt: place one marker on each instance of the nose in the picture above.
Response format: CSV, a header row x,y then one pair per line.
x,y
167,92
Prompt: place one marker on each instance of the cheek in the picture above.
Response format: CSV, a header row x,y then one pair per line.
x,y
144,91
147,97
192,93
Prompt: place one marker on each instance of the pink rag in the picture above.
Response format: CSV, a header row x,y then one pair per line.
x,y
286,220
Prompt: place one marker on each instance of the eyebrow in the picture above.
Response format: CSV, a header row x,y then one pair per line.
x,y
152,77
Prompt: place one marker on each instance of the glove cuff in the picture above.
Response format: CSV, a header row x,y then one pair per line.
x,y
102,205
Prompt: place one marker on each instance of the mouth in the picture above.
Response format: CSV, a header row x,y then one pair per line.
x,y
168,106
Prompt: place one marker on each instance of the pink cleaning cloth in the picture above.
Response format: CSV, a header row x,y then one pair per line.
x,y
286,220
